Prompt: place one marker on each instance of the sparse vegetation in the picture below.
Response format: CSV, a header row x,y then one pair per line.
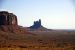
x,y
53,40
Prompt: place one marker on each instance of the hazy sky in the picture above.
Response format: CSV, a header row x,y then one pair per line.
x,y
55,14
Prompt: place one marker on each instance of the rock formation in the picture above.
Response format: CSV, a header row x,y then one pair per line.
x,y
7,18
8,22
36,25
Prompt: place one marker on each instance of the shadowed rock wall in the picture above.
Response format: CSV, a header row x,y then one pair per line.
x,y
7,18
8,21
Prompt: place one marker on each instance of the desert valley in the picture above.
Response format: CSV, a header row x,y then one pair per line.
x,y
35,37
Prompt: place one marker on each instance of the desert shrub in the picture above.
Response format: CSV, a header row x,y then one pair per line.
x,y
23,46
60,45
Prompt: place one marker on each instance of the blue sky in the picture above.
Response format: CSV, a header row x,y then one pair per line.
x,y
55,14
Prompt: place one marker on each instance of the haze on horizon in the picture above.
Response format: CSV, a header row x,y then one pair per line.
x,y
55,14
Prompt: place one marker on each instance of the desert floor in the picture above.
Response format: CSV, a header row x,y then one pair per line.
x,y
39,40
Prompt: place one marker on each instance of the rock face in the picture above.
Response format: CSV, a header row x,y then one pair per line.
x,y
8,21
36,25
7,18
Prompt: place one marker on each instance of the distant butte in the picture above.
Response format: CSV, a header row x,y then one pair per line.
x,y
38,26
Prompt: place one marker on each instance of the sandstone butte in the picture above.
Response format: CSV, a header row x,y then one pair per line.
x,y
9,23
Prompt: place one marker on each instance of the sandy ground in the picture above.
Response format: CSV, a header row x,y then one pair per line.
x,y
39,40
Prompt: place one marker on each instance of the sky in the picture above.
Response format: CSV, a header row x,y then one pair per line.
x,y
54,14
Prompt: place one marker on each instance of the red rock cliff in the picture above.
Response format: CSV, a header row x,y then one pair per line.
x,y
8,22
